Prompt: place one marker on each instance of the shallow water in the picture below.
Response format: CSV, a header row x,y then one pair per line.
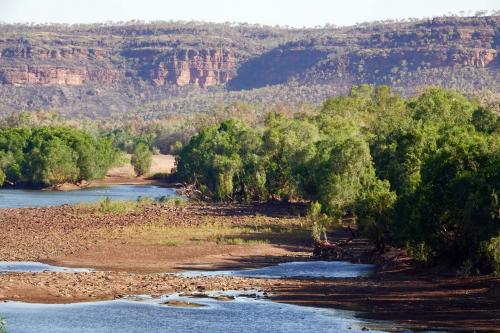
x,y
297,269
35,267
18,198
241,315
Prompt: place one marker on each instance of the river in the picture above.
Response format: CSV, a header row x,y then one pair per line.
x,y
21,198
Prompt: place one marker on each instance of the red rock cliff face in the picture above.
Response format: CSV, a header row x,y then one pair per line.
x,y
76,66
56,75
475,58
200,68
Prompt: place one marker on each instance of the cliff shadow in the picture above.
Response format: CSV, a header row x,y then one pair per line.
x,y
274,67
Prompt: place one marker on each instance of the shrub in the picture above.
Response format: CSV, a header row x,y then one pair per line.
x,y
141,159
492,250
107,205
3,324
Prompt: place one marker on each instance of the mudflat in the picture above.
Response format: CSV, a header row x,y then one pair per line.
x,y
133,250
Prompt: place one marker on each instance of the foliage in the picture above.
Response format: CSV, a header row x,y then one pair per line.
x,y
107,205
141,159
50,155
319,221
224,159
422,171
492,251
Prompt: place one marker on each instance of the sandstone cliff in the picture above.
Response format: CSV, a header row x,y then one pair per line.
x,y
204,56
76,66
202,68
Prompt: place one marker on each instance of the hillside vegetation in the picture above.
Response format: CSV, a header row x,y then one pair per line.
x,y
164,69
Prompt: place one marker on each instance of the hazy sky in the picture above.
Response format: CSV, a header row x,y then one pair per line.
x,y
295,13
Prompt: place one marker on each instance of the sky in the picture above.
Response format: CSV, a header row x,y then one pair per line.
x,y
294,13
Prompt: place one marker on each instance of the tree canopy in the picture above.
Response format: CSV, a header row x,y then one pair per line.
x,y
424,170
50,155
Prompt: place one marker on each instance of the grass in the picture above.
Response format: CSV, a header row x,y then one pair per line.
x,y
251,231
107,206
221,230
170,242
240,241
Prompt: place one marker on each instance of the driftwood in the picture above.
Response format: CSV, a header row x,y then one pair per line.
x,y
190,190
326,249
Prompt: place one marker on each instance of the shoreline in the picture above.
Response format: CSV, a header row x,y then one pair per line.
x,y
399,292
106,182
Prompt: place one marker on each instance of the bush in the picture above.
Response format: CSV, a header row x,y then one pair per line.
x,y
225,160
492,250
141,159
51,155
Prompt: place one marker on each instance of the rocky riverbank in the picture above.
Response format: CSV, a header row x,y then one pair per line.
x,y
133,250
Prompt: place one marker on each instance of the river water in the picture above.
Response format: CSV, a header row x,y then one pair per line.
x,y
146,314
35,267
18,198
240,315
248,312
297,269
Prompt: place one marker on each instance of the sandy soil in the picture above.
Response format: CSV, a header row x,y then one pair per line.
x,y
415,298
159,164
125,175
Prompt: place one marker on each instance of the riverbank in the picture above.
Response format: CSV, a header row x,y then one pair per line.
x,y
125,175
135,249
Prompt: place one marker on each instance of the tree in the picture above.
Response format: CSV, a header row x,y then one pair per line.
x,y
423,171
141,159
225,160
49,155
52,163
485,120
455,208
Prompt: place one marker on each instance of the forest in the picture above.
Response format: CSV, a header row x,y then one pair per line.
x,y
423,172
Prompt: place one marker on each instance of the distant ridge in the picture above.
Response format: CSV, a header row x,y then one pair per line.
x,y
97,70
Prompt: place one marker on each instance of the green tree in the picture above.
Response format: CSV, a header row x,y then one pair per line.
x,y
225,160
141,159
49,155
424,171
485,120
52,163
456,205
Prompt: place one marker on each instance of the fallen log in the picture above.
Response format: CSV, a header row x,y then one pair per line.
x,y
325,249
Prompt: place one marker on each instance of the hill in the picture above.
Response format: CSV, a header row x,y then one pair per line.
x,y
177,68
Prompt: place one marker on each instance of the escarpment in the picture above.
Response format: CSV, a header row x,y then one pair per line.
x,y
77,66
166,67
57,75
202,68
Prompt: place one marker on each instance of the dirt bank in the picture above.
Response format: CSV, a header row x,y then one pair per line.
x,y
125,175
133,247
